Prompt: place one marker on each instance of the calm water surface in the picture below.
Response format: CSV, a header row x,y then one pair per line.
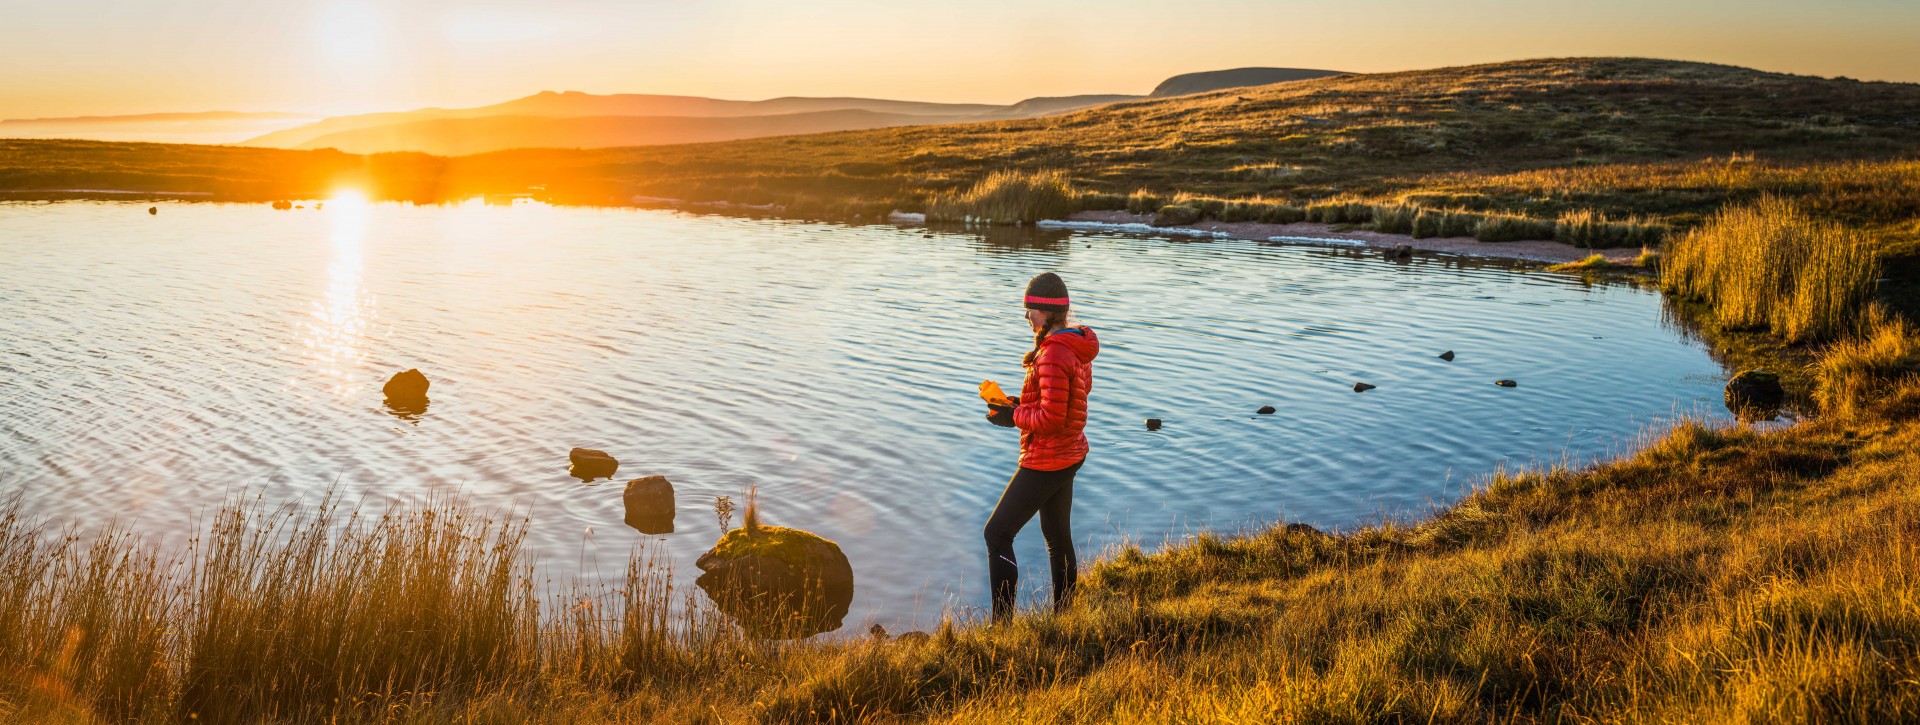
x,y
153,366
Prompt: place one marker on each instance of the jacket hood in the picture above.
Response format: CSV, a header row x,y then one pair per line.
x,y
1080,340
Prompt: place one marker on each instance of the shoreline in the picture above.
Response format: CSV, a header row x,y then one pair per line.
x,y
1548,252
1305,233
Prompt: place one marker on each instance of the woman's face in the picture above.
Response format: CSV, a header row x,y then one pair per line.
x,y
1035,319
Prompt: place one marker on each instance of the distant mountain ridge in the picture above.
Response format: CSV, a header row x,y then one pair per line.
x,y
1216,80
573,119
417,130
465,136
206,127
160,118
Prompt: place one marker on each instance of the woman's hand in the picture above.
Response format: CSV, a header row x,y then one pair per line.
x,y
1002,415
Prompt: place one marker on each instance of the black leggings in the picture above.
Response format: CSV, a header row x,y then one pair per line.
x,y
1050,493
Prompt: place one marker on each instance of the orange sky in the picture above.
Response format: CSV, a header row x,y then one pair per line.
x,y
340,56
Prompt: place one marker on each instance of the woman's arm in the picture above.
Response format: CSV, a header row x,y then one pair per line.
x,y
1047,413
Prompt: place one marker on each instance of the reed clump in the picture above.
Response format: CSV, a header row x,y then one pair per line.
x,y
1593,230
1864,371
1771,265
1008,197
1592,263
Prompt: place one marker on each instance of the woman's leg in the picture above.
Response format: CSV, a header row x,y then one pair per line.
x,y
1056,523
1026,492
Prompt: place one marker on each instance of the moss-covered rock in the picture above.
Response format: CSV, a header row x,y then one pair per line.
x,y
1173,215
777,582
1755,394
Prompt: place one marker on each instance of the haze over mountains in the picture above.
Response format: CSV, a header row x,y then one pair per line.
x,y
581,120
205,127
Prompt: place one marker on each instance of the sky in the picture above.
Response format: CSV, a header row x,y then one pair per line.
x,y
88,57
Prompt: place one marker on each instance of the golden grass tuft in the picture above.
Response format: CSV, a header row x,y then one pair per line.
x,y
1771,265
1009,197
1864,372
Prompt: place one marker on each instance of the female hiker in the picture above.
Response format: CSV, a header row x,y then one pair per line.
x,y
1051,413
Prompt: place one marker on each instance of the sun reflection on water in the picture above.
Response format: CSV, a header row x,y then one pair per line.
x,y
337,323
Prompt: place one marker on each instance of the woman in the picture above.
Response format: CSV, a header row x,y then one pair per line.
x,y
1051,414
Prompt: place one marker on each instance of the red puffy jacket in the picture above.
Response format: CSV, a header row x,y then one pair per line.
x,y
1052,415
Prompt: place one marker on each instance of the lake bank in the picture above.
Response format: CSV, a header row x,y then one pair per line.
x,y
1715,575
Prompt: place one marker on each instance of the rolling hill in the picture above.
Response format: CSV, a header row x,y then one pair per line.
x,y
1219,80
464,136
560,120
1665,139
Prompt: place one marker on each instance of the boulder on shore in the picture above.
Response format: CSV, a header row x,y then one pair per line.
x,y
649,505
1754,391
1175,215
776,582
588,464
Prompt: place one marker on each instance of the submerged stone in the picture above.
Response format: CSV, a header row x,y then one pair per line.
x,y
649,505
588,464
778,583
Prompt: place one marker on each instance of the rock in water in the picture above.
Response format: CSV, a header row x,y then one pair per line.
x,y
1400,251
282,205
1362,387
589,464
153,210
649,504
1754,392
1506,383
778,583
1447,356
1265,410
406,386
1153,424
407,394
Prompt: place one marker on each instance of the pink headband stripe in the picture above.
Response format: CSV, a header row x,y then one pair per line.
x,y
1032,300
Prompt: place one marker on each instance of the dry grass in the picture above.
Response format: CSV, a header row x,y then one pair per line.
x,y
1771,265
1719,574
1860,372
1008,197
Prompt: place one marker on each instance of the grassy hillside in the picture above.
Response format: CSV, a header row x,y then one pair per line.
x,y
1481,129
